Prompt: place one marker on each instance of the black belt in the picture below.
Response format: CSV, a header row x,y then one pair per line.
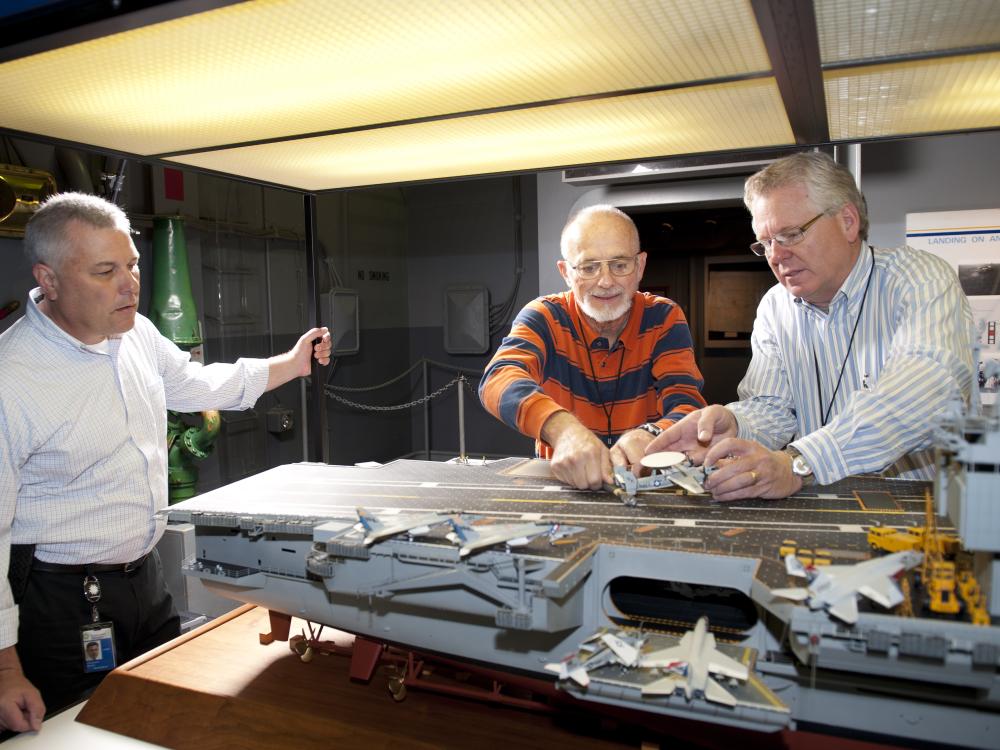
x,y
130,567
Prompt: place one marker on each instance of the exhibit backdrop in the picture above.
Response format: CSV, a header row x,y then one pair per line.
x,y
970,242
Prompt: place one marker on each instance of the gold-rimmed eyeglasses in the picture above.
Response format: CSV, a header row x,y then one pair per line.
x,y
591,269
788,238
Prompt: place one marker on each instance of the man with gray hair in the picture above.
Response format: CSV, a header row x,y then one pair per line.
x,y
85,384
595,372
857,351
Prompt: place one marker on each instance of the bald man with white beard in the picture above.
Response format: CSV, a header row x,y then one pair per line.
x,y
596,372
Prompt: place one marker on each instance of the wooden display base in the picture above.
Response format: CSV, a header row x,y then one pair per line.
x,y
218,687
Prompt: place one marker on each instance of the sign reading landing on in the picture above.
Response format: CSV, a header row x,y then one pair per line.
x,y
970,242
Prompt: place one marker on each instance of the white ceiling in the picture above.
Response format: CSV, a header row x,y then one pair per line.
x,y
327,94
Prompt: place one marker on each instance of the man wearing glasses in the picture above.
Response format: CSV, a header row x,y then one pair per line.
x,y
594,373
857,352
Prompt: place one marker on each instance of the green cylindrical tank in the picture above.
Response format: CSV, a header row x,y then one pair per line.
x,y
174,313
172,307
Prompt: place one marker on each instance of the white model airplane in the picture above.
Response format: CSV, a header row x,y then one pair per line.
x,y
597,651
835,587
690,665
472,538
377,527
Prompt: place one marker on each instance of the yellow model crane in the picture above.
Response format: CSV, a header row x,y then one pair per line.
x,y
937,574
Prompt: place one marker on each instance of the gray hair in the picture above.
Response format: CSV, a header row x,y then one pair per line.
x,y
46,239
585,215
830,185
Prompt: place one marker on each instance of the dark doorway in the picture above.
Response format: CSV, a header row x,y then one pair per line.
x,y
685,249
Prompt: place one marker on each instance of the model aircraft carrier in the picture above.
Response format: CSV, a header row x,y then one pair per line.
x,y
499,564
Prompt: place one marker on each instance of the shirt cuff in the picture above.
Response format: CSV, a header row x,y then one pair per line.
x,y
536,412
255,383
823,454
8,626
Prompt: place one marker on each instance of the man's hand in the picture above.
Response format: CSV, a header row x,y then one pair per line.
x,y
579,458
630,449
297,361
305,350
745,468
21,706
696,433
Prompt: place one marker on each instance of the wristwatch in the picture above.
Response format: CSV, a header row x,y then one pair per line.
x,y
800,466
651,428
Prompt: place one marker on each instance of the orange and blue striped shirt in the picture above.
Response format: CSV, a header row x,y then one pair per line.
x,y
543,367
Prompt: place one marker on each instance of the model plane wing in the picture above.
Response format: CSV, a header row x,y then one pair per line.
x,y
685,481
627,654
845,609
577,673
883,592
667,685
719,663
795,594
718,694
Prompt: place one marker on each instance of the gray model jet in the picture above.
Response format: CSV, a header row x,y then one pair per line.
x,y
379,527
835,588
689,666
471,538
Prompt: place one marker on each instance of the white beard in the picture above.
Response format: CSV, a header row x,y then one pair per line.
x,y
605,314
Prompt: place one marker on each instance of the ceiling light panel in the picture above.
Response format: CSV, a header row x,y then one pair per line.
x,y
747,114
852,30
271,68
941,95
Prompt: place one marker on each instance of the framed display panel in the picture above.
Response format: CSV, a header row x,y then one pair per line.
x,y
734,285
466,319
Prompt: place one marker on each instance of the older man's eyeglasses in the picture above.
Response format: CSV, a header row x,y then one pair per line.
x,y
591,269
788,238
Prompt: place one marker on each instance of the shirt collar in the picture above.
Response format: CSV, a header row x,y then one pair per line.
x,y
48,328
854,285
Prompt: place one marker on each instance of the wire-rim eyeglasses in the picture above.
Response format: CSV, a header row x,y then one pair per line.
x,y
787,238
591,269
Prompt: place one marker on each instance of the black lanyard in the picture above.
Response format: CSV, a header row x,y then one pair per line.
x,y
614,398
819,385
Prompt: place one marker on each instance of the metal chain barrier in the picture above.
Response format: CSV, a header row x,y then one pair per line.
x,y
396,407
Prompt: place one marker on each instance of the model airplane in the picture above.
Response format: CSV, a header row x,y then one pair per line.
x,y
471,538
377,528
835,587
666,467
599,650
690,665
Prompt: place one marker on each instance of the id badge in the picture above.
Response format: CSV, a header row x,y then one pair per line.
x,y
98,643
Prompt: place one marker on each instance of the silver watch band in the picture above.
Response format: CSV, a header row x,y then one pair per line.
x,y
651,428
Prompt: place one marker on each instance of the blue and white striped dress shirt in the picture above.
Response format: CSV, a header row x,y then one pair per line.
x,y
83,453
911,361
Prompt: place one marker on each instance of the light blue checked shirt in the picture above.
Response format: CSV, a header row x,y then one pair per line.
x,y
83,452
910,361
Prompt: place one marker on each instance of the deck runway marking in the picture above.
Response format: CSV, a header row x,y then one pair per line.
x,y
832,510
